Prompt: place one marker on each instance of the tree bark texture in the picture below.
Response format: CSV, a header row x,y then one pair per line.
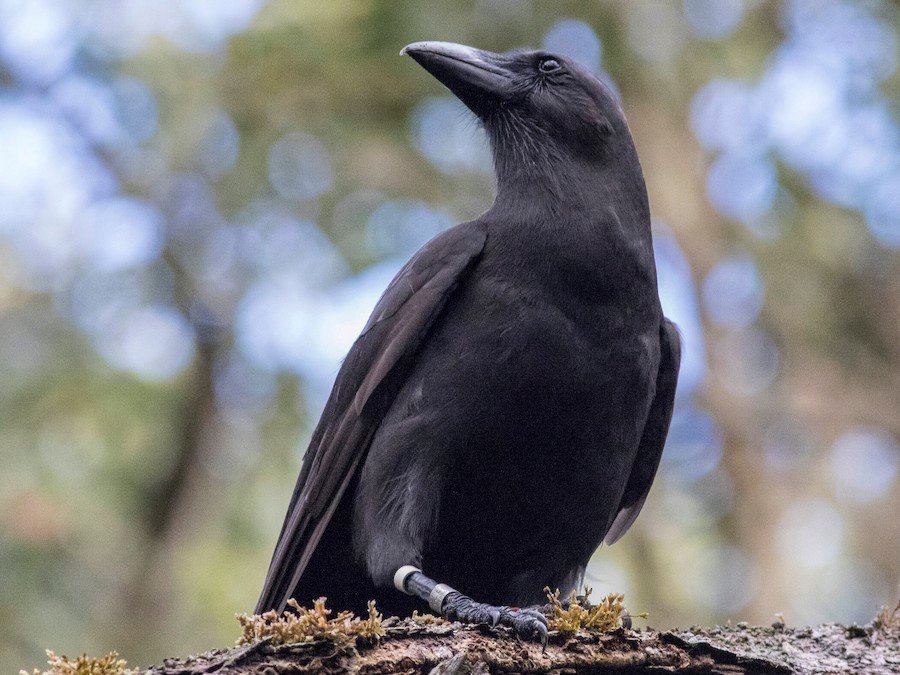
x,y
451,649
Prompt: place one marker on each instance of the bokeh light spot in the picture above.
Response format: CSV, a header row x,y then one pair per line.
x,y
714,19
38,38
402,226
787,448
91,106
733,292
216,20
810,533
121,232
693,446
748,360
271,240
883,211
864,464
742,186
447,135
137,108
605,576
723,578
299,167
846,590
678,296
726,115
656,31
577,40
154,343
219,145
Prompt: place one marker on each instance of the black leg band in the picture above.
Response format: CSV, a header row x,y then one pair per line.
x,y
411,581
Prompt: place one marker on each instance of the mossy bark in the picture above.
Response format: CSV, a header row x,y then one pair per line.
x,y
453,648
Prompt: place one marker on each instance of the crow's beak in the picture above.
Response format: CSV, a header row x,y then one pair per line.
x,y
478,78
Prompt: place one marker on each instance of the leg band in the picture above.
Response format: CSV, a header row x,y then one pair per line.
x,y
410,580
401,575
437,595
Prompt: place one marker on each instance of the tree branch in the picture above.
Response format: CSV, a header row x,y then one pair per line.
x,y
450,649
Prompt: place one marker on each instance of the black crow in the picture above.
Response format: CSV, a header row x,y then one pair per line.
x,y
504,410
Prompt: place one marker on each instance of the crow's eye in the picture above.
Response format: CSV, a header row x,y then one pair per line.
x,y
549,65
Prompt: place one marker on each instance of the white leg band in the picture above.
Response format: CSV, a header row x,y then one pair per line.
x,y
401,575
436,598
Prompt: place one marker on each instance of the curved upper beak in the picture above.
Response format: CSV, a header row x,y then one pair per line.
x,y
478,78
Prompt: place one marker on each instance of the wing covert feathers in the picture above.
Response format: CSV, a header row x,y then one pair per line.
x,y
363,392
654,437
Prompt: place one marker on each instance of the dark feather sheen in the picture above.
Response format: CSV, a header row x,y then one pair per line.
x,y
397,325
505,408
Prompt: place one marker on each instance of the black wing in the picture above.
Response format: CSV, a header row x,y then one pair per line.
x,y
654,438
366,384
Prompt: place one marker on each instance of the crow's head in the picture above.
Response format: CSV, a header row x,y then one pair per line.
x,y
536,106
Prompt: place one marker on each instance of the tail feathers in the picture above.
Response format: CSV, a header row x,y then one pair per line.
x,y
333,573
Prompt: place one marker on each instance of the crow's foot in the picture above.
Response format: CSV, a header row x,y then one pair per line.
x,y
527,623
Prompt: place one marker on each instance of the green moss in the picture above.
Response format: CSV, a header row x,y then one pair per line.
x,y
110,664
309,624
580,615
887,617
427,619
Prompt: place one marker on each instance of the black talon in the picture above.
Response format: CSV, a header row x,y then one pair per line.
x,y
544,635
527,624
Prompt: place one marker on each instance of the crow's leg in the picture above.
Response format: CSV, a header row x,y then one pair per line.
x,y
528,623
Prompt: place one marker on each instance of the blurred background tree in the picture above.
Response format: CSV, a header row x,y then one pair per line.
x,y
201,200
